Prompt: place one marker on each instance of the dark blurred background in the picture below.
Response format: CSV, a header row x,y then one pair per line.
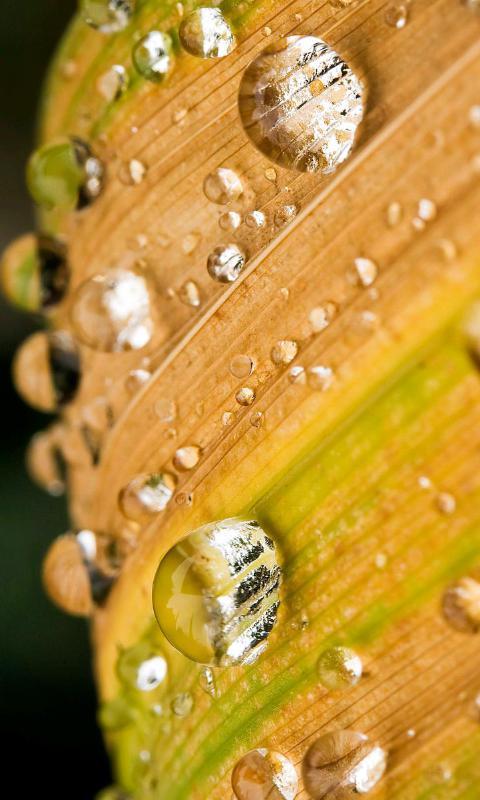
x,y
47,696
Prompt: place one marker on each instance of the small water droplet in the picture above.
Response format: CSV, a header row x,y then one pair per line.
x,y
320,377
446,503
264,775
257,419
142,668
205,33
215,594
68,69
284,351
245,396
189,294
427,209
207,682
113,83
166,410
146,495
267,31
64,174
285,215
184,499
339,668
227,418
474,116
394,214
153,56
107,16
111,312
179,115
418,224
132,173
222,186
448,249
46,370
182,704
255,219
424,482
190,243
226,263
396,15
461,605
242,366
34,273
186,458
271,174
301,104
343,762
380,560
136,379
366,270
297,374
45,463
230,221
321,316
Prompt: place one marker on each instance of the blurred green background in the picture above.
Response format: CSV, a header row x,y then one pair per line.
x,y
47,696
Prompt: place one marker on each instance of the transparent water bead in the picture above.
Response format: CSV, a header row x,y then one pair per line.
x,y
342,764
264,775
107,16
64,175
113,83
79,571
245,396
284,351
226,263
45,463
366,271
207,681
186,458
111,312
34,273
339,668
147,495
396,15
46,370
301,104
142,667
182,704
242,366
216,592
153,56
205,33
461,605
222,186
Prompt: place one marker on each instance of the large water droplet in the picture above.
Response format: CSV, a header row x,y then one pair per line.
x,y
205,33
461,605
215,594
46,370
339,668
301,104
107,16
226,263
34,273
111,312
222,186
264,775
44,460
153,56
147,495
342,764
64,174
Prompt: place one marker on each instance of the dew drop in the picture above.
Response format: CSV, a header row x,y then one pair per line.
x,y
215,594
227,418
142,668
264,775
427,209
153,56
46,370
166,410
107,16
113,83
301,104
111,312
113,716
132,173
186,458
448,249
135,379
207,682
366,270
474,116
230,221
284,351
255,219
146,495
271,174
446,503
245,396
205,33
394,214
182,704
319,318
396,15
34,273
226,263
45,463
190,243
297,374
461,605
222,186
257,419
320,377
242,366
65,175
339,668
285,215
189,294
343,763
179,115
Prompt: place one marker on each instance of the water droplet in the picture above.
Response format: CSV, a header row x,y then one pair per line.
x,y
179,115
461,605
271,174
245,396
46,370
285,215
227,418
132,173
111,312
215,593
187,458
107,16
166,410
153,56
113,83
242,366
319,318
141,667
205,33
339,668
146,495
78,571
297,375
64,175
446,503
301,104
182,704
380,560
226,263
113,716
136,379
448,249
68,69
366,270
222,186
190,294
418,224
257,419
284,351
190,243
474,116
35,273
45,463
207,681
255,219
427,209
184,499
396,15
394,214
230,221
320,377
264,775
343,763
